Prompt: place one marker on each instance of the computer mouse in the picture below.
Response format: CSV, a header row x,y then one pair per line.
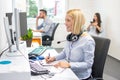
x,y
36,57
33,56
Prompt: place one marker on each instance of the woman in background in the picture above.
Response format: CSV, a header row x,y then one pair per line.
x,y
94,28
78,54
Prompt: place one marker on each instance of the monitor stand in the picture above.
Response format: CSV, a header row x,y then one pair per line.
x,y
13,52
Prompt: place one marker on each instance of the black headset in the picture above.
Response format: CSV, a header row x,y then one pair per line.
x,y
73,37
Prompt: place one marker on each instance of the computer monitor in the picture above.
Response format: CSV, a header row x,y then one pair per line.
x,y
11,34
7,31
20,25
19,28
9,16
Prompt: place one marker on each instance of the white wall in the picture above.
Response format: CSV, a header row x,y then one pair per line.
x,y
60,35
20,4
111,17
5,6
87,6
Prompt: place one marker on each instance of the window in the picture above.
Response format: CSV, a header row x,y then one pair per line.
x,y
55,8
32,8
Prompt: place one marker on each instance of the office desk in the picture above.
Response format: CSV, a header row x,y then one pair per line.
x,y
65,74
37,39
19,68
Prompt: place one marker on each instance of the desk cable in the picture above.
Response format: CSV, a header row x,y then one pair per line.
x,y
5,50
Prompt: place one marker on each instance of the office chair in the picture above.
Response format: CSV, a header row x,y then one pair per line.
x,y
101,51
46,39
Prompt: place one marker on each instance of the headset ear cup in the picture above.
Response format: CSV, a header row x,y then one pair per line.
x,y
75,37
69,37
72,37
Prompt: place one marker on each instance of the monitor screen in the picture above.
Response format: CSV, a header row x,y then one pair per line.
x,y
9,15
23,23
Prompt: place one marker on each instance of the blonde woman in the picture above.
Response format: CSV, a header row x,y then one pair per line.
x,y
79,49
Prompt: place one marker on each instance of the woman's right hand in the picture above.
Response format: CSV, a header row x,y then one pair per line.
x,y
49,59
94,24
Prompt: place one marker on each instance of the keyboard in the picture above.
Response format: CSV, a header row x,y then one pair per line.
x,y
39,50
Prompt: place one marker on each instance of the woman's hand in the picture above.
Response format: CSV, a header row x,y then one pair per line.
x,y
63,64
49,59
94,24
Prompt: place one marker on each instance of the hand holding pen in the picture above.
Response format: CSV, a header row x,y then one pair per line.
x,y
49,59
48,55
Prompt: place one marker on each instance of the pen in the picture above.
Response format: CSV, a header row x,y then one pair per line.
x,y
48,55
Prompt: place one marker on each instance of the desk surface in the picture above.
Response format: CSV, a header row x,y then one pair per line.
x,y
67,74
61,74
18,69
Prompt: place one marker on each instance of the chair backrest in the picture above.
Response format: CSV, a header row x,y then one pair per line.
x,y
46,39
53,33
101,50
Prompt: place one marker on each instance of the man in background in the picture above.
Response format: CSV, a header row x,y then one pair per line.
x,y
46,27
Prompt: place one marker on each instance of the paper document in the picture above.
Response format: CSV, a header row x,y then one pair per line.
x,y
43,62
56,70
51,67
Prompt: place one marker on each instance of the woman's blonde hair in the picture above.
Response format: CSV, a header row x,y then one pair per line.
x,y
78,20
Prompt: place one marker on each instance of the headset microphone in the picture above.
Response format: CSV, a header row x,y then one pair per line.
x,y
60,41
72,37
